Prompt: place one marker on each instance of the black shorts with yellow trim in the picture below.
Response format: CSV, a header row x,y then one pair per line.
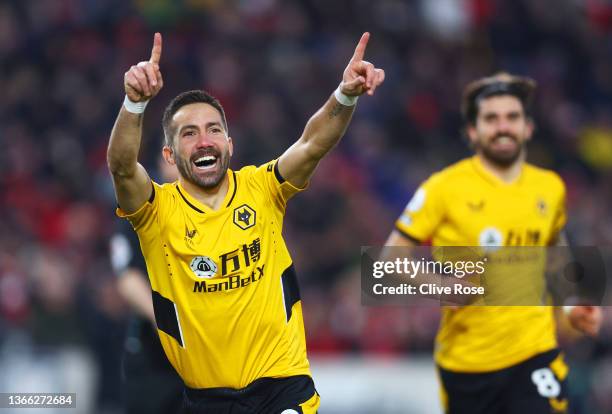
x,y
290,395
535,386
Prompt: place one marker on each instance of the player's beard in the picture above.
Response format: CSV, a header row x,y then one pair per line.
x,y
204,180
502,159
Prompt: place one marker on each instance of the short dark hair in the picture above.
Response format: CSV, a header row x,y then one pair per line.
x,y
187,98
501,83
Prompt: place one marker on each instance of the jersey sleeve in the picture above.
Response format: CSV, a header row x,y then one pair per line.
x,y
280,190
146,220
424,212
560,218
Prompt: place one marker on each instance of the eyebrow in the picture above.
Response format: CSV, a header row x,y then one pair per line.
x,y
190,126
208,125
214,123
494,113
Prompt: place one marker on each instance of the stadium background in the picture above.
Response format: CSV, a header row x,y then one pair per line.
x,y
273,63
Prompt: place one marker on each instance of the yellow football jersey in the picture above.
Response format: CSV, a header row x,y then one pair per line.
x,y
465,205
225,293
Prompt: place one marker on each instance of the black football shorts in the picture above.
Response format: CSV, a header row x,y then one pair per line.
x,y
291,395
535,386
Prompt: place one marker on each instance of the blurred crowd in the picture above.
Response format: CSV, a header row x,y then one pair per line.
x,y
272,64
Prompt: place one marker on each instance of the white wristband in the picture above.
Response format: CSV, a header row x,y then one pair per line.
x,y
134,107
568,309
345,99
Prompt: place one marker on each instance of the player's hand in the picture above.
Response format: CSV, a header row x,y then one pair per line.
x,y
586,319
361,76
143,81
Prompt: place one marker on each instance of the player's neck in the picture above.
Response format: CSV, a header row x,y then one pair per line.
x,y
210,197
507,174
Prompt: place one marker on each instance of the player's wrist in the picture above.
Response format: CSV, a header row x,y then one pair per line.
x,y
344,99
134,107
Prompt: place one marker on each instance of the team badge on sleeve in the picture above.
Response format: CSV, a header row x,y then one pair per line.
x,y
417,201
405,219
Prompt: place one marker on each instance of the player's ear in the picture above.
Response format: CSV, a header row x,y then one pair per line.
x,y
168,154
231,146
472,136
529,129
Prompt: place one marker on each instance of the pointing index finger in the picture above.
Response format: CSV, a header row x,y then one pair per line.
x,y
361,46
157,49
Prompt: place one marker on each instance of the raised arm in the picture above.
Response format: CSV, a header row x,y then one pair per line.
x,y
131,181
328,124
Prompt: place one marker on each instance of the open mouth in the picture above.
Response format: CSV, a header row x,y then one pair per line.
x,y
504,142
205,162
